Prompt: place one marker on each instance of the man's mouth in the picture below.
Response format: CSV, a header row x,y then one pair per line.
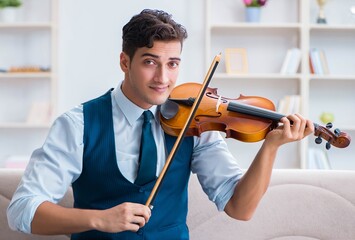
x,y
160,89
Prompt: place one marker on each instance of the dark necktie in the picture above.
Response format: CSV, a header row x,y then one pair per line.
x,y
148,153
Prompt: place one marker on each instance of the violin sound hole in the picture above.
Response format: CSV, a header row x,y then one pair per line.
x,y
217,115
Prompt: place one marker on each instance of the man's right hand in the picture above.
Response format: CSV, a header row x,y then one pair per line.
x,y
52,219
124,217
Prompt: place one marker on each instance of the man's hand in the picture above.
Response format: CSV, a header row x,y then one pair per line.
x,y
123,217
288,132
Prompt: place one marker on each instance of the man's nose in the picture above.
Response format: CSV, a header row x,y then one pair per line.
x,y
161,74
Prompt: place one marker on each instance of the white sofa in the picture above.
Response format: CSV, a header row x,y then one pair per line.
x,y
299,205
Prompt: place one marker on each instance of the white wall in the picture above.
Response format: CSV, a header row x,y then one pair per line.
x,y
90,44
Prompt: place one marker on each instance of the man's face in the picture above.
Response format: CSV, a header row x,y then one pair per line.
x,y
152,73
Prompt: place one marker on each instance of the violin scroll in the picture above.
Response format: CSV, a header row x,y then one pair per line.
x,y
337,138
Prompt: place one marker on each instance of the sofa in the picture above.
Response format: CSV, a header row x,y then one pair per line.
x,y
299,205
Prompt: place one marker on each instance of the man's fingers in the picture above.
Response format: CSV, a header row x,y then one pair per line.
x,y
139,220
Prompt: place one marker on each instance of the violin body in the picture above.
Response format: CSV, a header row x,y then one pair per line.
x,y
210,117
246,118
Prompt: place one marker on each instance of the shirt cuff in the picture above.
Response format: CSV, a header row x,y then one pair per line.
x,y
21,215
227,192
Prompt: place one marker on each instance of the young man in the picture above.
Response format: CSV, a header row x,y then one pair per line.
x,y
95,147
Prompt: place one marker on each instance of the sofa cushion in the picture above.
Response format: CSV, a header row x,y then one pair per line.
x,y
299,205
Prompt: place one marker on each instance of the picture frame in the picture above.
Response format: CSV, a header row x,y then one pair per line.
x,y
236,61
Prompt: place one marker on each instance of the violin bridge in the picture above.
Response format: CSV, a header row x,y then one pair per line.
x,y
219,102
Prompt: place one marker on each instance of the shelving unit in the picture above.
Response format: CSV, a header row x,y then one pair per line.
x,y
285,25
29,41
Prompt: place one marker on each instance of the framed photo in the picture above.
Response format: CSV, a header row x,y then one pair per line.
x,y
236,60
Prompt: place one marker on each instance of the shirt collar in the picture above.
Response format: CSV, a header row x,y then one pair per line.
x,y
130,110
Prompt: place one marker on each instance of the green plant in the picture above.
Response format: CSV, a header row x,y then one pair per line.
x,y
254,3
10,3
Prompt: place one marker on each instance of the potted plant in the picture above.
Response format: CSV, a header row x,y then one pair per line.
x,y
254,3
8,9
253,9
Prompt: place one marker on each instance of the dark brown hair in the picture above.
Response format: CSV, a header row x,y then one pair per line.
x,y
148,26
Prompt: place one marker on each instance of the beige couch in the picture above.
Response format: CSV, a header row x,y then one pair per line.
x,y
299,205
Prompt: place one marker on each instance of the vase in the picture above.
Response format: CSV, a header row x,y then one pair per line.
x,y
252,14
8,14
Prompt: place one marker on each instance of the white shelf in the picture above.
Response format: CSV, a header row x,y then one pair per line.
x,y
269,76
266,43
31,41
256,26
25,75
26,26
331,28
332,77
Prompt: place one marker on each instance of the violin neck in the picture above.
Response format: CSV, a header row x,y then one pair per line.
x,y
254,111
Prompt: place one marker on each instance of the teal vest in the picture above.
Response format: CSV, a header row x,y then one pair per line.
x,y
101,185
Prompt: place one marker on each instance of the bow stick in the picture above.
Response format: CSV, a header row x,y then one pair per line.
x,y
182,134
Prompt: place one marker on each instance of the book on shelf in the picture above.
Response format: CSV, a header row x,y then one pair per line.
x,y
318,62
323,61
311,68
318,159
291,62
289,104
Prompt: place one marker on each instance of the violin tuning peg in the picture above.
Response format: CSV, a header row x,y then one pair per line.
x,y
337,132
318,140
329,125
327,145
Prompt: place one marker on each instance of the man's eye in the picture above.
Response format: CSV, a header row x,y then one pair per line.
x,y
174,64
149,62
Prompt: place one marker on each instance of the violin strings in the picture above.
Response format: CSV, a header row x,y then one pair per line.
x,y
254,111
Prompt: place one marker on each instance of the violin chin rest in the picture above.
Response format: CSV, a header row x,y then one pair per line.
x,y
169,109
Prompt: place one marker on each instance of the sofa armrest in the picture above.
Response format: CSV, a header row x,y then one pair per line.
x,y
9,180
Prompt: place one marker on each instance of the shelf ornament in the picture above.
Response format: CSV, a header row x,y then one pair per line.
x,y
253,10
321,16
8,10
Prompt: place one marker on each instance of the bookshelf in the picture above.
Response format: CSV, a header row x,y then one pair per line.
x,y
28,80
286,25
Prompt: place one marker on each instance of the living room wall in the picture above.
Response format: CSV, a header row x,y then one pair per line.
x,y
90,44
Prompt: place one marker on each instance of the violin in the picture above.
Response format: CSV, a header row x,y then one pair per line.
x,y
246,118
194,108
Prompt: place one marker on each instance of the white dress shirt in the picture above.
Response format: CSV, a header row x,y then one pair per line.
x,y
58,163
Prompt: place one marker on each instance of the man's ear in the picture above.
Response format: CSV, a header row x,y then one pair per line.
x,y
124,62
